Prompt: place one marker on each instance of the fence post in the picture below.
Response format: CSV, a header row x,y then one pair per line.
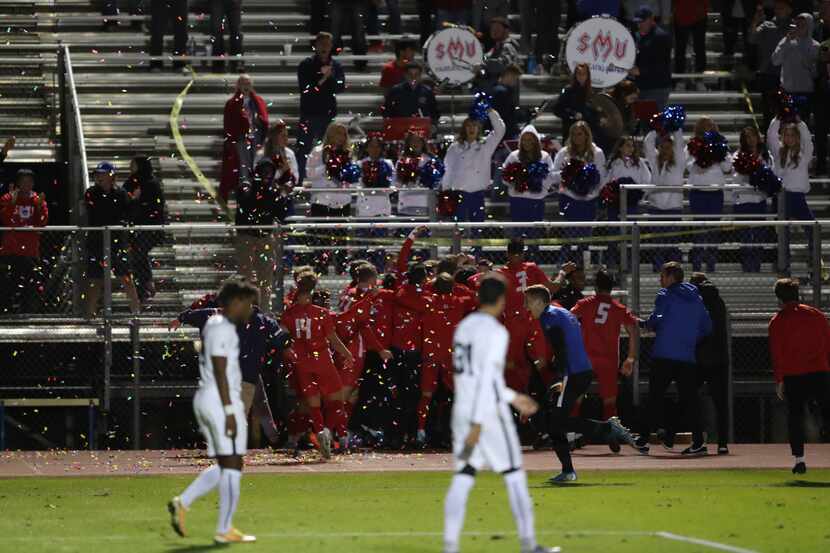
x,y
623,231
136,343
634,303
730,381
432,206
278,297
783,237
456,240
815,256
107,299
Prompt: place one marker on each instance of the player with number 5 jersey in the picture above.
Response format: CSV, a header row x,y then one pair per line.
x,y
602,317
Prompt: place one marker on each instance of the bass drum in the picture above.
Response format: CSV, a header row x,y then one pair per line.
x,y
452,55
605,45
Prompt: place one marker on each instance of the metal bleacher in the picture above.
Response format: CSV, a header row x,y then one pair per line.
x,y
125,111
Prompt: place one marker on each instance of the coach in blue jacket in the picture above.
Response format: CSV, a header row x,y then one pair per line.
x,y
680,321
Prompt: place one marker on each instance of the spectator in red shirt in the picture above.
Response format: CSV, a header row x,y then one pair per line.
x,y
799,342
394,71
690,18
602,317
20,251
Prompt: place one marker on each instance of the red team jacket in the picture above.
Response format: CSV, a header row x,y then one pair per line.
x,y
27,211
799,341
601,317
310,327
411,303
442,316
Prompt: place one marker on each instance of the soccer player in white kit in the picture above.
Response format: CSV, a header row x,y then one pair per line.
x,y
220,412
484,434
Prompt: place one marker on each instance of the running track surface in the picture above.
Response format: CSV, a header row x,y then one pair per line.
x,y
156,462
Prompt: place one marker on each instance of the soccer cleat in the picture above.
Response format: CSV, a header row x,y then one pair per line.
x,y
421,439
619,433
723,450
563,477
695,451
177,512
324,443
800,468
666,439
233,536
613,445
543,549
641,445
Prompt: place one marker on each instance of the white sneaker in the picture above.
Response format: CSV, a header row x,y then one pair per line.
x,y
324,441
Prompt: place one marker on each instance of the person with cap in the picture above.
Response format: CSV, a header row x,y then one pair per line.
x,y
797,55
765,36
484,11
411,97
652,69
505,51
20,251
506,100
799,343
108,205
245,126
147,209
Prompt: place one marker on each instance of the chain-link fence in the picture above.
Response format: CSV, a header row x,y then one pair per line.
x,y
103,353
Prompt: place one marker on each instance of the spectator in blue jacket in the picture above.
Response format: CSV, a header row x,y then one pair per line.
x,y
680,322
261,341
321,79
412,98
652,69
564,334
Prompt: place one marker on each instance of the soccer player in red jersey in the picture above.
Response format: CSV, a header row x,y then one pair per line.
x,y
602,317
439,322
313,331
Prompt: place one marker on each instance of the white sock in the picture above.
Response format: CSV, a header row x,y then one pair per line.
x,y
205,482
455,506
522,507
228,499
799,460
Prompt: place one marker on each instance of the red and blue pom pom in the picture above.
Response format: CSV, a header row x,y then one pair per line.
x,y
746,163
710,149
610,193
766,181
407,169
350,173
671,119
482,102
376,174
580,177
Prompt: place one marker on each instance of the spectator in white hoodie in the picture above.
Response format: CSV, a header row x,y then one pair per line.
x,y
624,163
572,206
667,157
467,166
752,201
792,146
527,201
704,199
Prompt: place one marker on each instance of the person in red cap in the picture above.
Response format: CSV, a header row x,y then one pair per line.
x,y
799,343
20,251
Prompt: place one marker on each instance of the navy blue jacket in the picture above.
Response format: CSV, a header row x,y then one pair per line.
x,y
564,333
322,101
506,103
404,100
680,321
259,339
654,59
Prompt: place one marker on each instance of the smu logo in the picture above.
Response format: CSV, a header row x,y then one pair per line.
x,y
455,49
602,45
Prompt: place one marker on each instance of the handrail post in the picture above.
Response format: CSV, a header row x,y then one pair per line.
x,y
136,344
456,240
107,299
815,256
783,237
432,206
730,380
623,231
278,286
634,302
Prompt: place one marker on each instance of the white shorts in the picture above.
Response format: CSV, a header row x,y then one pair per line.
x,y
210,415
498,446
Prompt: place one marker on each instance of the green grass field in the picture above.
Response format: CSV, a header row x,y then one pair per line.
x,y
762,511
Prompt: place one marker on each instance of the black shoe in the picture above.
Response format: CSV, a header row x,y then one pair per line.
x,y
800,468
641,445
723,450
666,438
695,451
613,445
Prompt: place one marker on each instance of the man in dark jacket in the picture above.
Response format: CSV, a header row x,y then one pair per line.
x,y
652,70
765,36
261,342
320,79
147,209
713,356
506,101
108,205
412,98
680,321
